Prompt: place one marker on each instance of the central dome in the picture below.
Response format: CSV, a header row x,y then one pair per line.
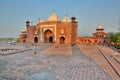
x,y
53,17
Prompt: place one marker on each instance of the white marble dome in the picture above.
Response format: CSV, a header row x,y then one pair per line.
x,y
23,31
66,19
100,27
53,17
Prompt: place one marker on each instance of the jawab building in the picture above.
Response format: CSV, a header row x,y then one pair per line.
x,y
51,31
58,31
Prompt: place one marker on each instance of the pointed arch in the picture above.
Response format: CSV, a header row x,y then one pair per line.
x,y
62,40
48,36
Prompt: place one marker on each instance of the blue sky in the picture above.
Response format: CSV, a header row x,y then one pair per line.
x,y
89,13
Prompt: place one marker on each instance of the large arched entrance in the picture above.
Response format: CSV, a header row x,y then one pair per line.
x,y
48,36
36,40
62,40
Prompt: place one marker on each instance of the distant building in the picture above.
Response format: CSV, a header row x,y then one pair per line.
x,y
58,31
97,38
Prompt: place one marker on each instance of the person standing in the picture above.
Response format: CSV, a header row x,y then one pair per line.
x,y
34,50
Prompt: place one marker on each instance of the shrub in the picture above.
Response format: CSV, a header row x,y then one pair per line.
x,y
117,46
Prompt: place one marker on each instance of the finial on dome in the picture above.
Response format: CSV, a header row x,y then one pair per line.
x,y
53,11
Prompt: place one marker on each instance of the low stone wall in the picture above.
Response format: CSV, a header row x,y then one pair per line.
x,y
12,51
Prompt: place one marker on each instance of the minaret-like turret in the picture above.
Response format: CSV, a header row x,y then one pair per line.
x,y
73,19
74,30
27,23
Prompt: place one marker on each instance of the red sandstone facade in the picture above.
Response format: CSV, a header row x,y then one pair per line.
x,y
59,32
97,38
51,31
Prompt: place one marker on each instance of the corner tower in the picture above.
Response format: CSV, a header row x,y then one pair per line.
x,y
99,34
74,30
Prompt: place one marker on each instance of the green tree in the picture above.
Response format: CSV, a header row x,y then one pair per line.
x,y
17,40
112,37
118,37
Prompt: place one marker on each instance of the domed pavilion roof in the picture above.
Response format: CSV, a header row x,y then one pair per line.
x,y
42,20
100,28
53,17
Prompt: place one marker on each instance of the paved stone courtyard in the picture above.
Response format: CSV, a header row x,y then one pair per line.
x,y
25,66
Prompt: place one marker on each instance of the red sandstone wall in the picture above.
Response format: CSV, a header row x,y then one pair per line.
x,y
23,38
74,32
88,40
30,33
66,28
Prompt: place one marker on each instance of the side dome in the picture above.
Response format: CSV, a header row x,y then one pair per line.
x,y
66,19
24,31
42,20
53,17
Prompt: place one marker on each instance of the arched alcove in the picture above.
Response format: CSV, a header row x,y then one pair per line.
x,y
62,40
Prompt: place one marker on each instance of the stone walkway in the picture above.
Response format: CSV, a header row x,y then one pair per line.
x,y
25,66
58,50
94,53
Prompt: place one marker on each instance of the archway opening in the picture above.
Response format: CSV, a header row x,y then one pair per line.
x,y
48,36
36,40
51,39
62,40
24,40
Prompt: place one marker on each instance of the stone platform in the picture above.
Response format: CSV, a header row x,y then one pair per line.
x,y
58,50
25,66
